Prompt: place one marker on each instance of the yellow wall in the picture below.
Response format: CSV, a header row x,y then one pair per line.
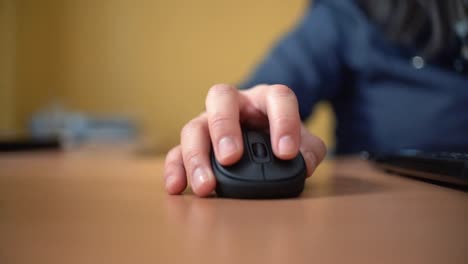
x,y
7,53
153,60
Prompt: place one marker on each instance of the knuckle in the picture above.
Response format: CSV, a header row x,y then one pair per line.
x,y
192,156
173,154
186,130
286,121
313,156
190,127
221,89
173,160
171,166
280,90
219,121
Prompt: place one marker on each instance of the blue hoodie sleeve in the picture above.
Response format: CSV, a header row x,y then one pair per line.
x,y
307,59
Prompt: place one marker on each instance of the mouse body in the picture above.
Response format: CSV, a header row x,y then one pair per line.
x,y
259,174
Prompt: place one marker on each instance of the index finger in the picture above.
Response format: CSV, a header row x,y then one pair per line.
x,y
222,106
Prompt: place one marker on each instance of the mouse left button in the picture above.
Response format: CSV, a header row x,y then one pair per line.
x,y
243,170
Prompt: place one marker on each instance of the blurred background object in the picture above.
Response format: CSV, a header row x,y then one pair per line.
x,y
150,60
74,129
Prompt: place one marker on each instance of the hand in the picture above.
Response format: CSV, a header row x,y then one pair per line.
x,y
264,106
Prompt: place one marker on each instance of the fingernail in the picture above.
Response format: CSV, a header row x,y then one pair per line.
x,y
287,146
199,178
227,147
170,181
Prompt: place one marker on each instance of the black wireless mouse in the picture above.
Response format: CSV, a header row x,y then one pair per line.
x,y
259,174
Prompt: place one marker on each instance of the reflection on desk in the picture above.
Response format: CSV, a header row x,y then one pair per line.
x,y
100,207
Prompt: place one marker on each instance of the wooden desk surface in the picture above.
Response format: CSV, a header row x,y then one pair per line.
x,y
111,208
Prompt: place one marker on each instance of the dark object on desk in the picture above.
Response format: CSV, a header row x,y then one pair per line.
x,y
259,174
29,144
449,168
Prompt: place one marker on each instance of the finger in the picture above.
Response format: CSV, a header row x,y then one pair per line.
x,y
313,150
195,142
280,104
250,114
174,172
222,106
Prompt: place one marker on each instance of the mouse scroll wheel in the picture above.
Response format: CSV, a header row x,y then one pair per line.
x,y
259,150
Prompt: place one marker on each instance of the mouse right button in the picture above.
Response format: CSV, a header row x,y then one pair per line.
x,y
243,170
284,169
